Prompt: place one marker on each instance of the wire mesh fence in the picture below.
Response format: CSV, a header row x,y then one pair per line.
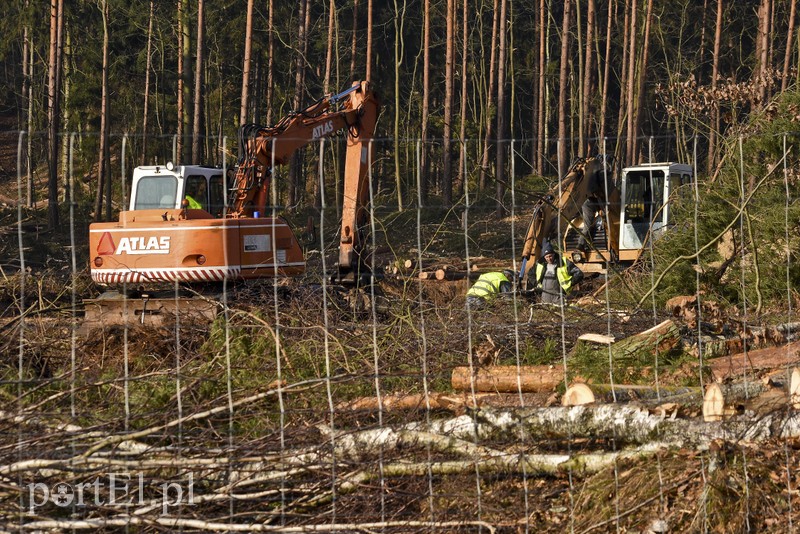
x,y
301,404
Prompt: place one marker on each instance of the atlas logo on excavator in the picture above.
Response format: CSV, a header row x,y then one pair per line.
x,y
133,245
322,130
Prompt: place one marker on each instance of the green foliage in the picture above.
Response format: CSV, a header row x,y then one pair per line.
x,y
734,241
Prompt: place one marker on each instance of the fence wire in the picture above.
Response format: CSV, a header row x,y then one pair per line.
x,y
400,405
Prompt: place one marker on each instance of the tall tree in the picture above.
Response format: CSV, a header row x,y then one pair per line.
x,y
563,92
369,51
490,102
53,109
103,170
636,112
148,67
354,41
197,121
789,44
399,21
462,132
27,95
426,95
541,128
248,44
270,59
631,83
606,71
299,76
447,177
502,124
715,117
183,66
586,99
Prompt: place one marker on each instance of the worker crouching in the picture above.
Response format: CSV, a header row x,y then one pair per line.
x,y
488,287
555,276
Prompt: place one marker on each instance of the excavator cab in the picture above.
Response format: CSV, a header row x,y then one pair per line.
x,y
166,187
647,191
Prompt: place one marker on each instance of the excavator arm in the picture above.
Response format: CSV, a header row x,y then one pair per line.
x,y
354,111
553,212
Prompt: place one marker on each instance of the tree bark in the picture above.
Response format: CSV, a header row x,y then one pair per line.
x,y
502,124
620,148
270,60
299,75
507,378
368,69
789,44
399,21
487,140
586,101
197,124
354,42
580,393
148,62
103,174
643,76
563,93
606,72
53,97
27,94
248,46
541,133
630,90
715,123
462,135
754,360
426,96
183,69
447,133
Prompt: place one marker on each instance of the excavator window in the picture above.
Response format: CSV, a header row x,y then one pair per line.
x,y
216,205
196,191
155,192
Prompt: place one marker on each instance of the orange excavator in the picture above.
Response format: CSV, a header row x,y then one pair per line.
x,y
189,225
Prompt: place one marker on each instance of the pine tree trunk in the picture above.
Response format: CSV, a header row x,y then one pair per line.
x,y
586,107
637,110
197,122
31,191
270,61
502,142
623,85
399,18
148,67
631,79
354,43
715,122
447,161
299,65
541,133
53,91
487,140
426,95
789,45
66,110
462,132
183,67
563,93
368,69
606,72
248,46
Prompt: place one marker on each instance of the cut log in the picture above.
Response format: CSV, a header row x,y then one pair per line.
x,y
636,350
599,339
754,360
508,378
794,389
449,274
579,393
427,275
720,400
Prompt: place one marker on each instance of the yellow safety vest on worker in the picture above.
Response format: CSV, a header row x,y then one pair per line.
x,y
562,273
488,285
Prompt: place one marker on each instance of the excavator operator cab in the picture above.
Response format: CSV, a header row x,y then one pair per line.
x,y
647,191
167,187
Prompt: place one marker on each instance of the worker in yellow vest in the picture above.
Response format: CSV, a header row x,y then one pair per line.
x,y
555,276
488,286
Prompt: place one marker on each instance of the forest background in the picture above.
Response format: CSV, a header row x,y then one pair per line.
x,y
483,87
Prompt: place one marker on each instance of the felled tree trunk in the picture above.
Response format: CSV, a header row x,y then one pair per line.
x,y
580,393
751,361
507,378
638,348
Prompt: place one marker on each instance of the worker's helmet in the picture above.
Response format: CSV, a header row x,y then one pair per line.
x,y
509,274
